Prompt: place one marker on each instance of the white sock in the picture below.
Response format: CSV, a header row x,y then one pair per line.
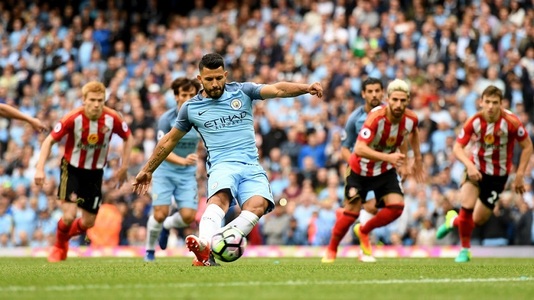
x,y
365,216
210,222
152,232
174,221
245,221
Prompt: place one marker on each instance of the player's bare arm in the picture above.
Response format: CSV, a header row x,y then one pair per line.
x,y
122,173
362,149
404,171
161,151
526,153
418,170
472,172
189,160
290,89
8,111
46,146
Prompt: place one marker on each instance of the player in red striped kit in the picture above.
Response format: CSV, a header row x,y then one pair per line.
x,y
495,130
375,160
88,130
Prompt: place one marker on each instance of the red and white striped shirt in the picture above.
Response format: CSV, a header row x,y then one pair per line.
x,y
494,142
88,141
383,136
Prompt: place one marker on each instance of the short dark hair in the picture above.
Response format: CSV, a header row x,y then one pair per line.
x,y
185,84
372,80
492,91
211,61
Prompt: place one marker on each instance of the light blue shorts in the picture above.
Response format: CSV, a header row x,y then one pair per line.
x,y
370,195
183,188
243,181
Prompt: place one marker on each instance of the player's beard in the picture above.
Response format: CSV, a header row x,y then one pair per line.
x,y
215,93
397,113
375,102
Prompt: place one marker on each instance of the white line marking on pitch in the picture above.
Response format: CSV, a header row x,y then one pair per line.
x,y
78,287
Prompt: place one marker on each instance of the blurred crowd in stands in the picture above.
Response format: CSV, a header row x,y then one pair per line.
x,y
448,51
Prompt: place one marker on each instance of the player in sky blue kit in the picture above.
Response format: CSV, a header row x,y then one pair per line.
x,y
373,95
222,114
176,177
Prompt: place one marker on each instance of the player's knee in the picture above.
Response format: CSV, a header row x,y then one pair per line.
x,y
88,221
188,215
353,207
68,218
160,213
256,205
370,207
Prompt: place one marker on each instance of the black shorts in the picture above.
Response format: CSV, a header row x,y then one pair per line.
x,y
81,186
357,186
489,187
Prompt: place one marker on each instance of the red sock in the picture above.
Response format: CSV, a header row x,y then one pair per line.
x,y
343,223
77,228
62,234
385,216
465,225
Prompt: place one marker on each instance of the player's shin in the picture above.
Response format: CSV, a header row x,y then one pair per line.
x,y
343,222
77,228
210,222
245,222
465,224
385,216
62,234
153,231
174,221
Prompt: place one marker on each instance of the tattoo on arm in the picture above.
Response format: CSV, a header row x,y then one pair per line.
x,y
154,163
161,151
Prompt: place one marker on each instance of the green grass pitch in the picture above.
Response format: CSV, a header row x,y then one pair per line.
x,y
266,278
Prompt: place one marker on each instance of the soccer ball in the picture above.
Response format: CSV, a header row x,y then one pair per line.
x,y
229,244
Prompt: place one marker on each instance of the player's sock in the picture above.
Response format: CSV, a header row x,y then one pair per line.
x,y
174,221
210,222
152,232
385,216
465,225
343,222
77,228
62,234
245,221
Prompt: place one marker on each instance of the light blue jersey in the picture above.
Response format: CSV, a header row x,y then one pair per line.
x,y
172,180
226,125
353,126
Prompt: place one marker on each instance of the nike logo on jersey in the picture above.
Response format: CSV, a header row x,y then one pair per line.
x,y
200,113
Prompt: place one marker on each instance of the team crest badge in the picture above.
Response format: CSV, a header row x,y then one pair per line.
x,y
391,141
92,138
236,104
489,139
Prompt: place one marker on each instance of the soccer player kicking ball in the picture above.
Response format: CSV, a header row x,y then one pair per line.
x,y
88,130
176,177
495,130
222,114
374,163
372,93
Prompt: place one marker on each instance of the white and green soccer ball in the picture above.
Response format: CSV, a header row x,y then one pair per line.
x,y
228,244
